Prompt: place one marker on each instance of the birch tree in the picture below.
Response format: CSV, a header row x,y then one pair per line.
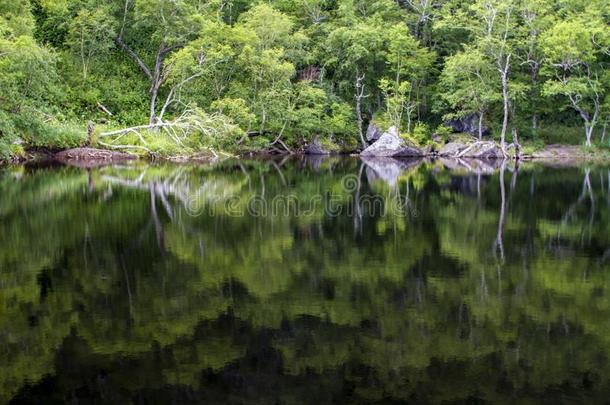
x,y
468,85
169,26
575,51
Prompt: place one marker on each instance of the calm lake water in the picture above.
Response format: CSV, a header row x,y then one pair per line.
x,y
305,281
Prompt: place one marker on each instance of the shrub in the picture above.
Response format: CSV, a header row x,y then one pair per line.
x,y
35,132
420,134
443,131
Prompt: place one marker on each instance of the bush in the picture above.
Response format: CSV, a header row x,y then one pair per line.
x,y
443,131
236,109
382,121
420,134
38,133
342,121
552,134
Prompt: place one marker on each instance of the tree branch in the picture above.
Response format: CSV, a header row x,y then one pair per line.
x,y
119,41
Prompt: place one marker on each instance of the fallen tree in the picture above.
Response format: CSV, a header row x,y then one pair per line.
x,y
194,130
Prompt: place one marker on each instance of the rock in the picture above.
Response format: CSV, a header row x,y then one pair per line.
x,y
391,144
373,133
387,169
468,124
559,152
429,150
387,145
91,157
409,151
316,148
452,149
476,150
484,150
318,162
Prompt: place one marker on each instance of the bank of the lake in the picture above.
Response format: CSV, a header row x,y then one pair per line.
x,y
469,149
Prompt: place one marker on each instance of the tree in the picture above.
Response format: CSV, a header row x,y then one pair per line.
x,y
354,55
408,64
16,18
468,85
536,16
499,23
27,77
168,27
575,50
491,25
424,12
90,34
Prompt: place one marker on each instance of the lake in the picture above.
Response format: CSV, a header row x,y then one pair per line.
x,y
294,280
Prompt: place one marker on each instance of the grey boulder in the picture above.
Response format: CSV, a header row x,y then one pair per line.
x,y
373,133
468,124
391,144
452,149
316,148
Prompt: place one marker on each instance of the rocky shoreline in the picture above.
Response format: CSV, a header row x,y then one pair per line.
x,y
383,145
390,144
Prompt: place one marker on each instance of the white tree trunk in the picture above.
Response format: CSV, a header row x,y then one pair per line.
x,y
359,97
588,133
534,122
506,100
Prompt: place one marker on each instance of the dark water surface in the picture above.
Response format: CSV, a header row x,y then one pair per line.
x,y
305,281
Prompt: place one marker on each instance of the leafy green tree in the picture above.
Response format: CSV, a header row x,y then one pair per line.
x,y
169,26
536,16
408,64
575,52
468,85
90,34
16,18
491,26
27,78
355,53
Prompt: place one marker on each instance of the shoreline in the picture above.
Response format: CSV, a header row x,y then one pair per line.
x,y
558,155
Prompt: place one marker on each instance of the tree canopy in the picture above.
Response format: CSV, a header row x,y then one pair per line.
x,y
293,66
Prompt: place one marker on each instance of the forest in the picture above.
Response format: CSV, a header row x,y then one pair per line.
x,y
172,77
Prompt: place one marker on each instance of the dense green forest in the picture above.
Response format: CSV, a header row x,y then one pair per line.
x,y
229,75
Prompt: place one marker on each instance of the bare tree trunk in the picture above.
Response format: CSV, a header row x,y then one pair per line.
x,y
157,80
499,242
506,99
359,97
481,125
586,116
156,76
514,132
588,133
90,131
154,93
516,143
534,76
119,41
534,122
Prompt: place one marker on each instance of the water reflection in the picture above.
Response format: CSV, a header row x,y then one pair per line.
x,y
470,281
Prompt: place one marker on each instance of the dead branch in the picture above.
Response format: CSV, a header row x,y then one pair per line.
x,y
103,108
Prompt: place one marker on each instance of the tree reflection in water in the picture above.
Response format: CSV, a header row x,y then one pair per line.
x,y
138,283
